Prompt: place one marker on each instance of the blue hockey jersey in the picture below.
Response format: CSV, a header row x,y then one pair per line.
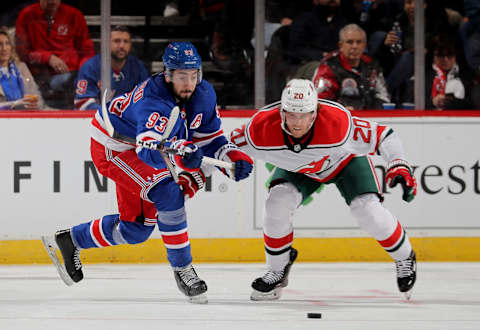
x,y
88,82
143,113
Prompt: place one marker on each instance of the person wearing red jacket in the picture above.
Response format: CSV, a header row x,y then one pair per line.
x,y
53,39
349,76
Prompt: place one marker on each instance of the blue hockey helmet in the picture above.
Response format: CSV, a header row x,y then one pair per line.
x,y
181,55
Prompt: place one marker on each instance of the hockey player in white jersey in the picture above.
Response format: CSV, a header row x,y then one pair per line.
x,y
313,142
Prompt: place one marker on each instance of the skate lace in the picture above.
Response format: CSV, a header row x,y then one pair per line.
x,y
404,267
188,276
76,259
272,276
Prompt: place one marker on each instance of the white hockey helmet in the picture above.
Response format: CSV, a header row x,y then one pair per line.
x,y
299,95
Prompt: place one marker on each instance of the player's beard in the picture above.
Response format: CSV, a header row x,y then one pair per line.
x,y
176,95
184,99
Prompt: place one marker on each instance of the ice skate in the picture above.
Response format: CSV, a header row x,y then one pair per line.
x,y
191,285
70,270
406,274
269,286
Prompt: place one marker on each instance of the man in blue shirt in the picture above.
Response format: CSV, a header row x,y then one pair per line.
x,y
127,71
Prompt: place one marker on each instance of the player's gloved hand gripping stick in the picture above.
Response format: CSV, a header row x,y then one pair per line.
x,y
163,146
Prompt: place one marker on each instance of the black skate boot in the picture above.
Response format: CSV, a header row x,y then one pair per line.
x,y
71,269
406,274
70,254
269,286
191,285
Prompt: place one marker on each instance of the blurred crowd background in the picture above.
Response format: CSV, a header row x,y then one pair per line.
x,y
357,52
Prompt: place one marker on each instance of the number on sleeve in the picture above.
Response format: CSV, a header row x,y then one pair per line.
x,y
362,128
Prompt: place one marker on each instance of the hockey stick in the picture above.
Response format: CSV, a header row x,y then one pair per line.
x,y
161,146
170,125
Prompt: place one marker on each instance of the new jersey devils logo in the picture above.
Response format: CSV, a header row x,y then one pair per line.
x,y
313,167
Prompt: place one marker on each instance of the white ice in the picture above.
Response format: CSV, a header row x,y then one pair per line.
x,y
145,297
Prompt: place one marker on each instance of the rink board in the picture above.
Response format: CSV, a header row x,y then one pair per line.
x,y
49,183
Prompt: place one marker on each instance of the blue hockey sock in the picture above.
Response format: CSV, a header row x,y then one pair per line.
x,y
108,231
175,239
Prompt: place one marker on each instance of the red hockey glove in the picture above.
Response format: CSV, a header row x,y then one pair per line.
x,y
399,171
191,182
189,157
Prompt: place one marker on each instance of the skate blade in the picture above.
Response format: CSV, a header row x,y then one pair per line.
x,y
407,294
275,294
198,299
51,247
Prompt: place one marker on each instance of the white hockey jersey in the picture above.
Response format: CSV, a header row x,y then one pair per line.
x,y
335,138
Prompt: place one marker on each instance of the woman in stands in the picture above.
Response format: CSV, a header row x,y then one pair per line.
x,y
18,89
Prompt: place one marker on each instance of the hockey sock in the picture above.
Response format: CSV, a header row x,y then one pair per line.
x,y
397,244
375,219
109,231
277,251
173,227
280,205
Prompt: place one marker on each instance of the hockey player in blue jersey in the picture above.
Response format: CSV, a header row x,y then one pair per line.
x,y
127,71
146,192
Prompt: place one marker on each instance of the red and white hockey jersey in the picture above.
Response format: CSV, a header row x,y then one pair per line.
x,y
336,137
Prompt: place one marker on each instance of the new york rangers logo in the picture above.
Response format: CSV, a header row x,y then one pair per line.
x,y
313,167
189,52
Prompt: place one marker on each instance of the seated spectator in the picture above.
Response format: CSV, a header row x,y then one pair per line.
x,y
448,86
315,33
127,71
310,36
18,89
53,39
396,54
349,76
232,52
280,13
470,34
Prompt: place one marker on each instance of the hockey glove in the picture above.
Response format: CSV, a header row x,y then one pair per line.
x,y
189,157
399,171
243,164
191,182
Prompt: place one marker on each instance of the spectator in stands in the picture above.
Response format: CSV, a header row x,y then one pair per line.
x,y
448,85
315,33
127,71
280,13
349,76
18,89
470,33
232,51
53,39
397,52
311,35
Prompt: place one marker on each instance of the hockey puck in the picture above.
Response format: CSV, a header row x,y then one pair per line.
x,y
314,315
